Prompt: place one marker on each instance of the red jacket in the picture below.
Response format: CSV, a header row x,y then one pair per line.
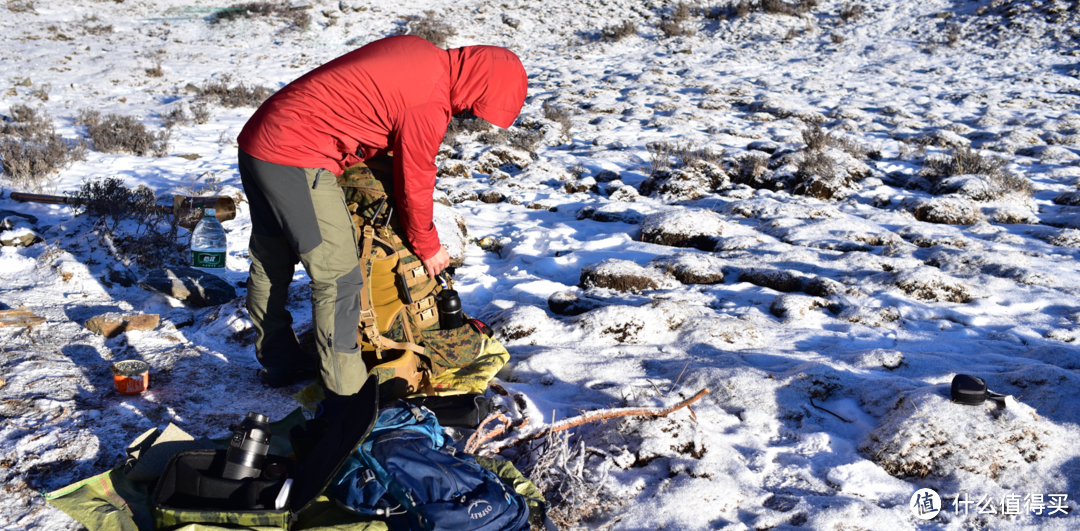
x,y
395,94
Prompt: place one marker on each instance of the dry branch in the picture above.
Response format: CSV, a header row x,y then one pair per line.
x,y
479,437
591,416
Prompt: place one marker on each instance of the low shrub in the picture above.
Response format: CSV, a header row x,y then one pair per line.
x,y
663,154
154,239
299,19
998,181
239,95
672,24
660,154
752,168
559,115
618,32
97,29
430,27
955,36
115,133
175,116
852,12
155,71
200,112
31,151
518,138
41,92
526,140
464,123
818,139
22,6
744,8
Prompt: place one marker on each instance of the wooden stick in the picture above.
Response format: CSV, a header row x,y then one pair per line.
x,y
591,416
829,412
479,437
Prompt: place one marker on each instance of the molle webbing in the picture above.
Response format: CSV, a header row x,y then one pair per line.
x,y
397,302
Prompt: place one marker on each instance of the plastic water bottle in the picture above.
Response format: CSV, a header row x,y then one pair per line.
x,y
208,244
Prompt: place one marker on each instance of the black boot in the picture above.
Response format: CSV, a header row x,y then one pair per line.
x,y
284,362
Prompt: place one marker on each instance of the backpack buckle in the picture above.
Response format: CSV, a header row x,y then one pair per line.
x,y
416,413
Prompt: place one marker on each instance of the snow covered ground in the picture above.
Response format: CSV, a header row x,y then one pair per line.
x,y
771,273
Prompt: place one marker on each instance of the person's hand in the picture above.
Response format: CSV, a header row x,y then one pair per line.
x,y
437,263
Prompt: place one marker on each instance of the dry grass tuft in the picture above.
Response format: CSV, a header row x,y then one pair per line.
x,y
430,27
817,139
559,115
299,19
574,491
22,6
464,123
852,12
155,71
239,95
663,154
31,151
175,116
618,32
744,8
200,113
999,182
672,24
116,133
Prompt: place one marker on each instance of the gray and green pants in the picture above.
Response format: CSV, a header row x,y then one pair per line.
x,y
299,215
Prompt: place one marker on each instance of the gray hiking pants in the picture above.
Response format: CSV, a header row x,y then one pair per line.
x,y
299,215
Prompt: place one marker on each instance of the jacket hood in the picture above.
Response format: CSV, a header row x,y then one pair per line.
x,y
489,80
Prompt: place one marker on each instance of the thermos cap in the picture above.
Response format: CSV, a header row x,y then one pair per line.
x,y
449,301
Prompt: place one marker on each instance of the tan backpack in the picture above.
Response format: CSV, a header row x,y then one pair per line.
x,y
399,329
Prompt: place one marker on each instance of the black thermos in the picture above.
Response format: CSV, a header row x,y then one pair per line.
x,y
450,315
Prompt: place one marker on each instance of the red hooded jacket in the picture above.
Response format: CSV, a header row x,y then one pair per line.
x,y
395,94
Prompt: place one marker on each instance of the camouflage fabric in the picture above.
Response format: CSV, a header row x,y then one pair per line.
x,y
365,189
401,376
108,501
474,377
113,502
450,349
171,518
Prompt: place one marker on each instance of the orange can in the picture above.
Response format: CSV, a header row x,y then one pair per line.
x,y
131,377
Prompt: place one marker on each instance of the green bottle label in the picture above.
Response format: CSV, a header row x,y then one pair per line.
x,y
208,259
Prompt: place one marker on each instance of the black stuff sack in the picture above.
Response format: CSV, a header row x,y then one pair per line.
x,y
457,411
971,390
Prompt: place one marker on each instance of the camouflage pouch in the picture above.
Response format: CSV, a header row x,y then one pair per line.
x,y
400,372
451,349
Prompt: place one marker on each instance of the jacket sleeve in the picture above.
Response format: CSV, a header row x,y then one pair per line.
x,y
416,142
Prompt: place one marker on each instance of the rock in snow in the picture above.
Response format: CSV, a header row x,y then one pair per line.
x,y
683,228
113,324
189,285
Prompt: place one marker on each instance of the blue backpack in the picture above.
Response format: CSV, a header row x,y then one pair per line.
x,y
406,472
